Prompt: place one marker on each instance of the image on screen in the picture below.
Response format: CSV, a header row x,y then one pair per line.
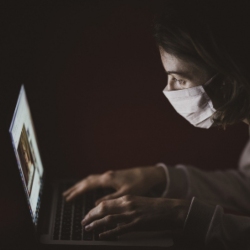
x,y
26,158
25,146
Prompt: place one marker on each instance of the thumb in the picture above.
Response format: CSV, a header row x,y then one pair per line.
x,y
115,195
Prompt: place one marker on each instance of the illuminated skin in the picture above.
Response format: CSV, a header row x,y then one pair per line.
x,y
182,74
128,181
124,207
135,213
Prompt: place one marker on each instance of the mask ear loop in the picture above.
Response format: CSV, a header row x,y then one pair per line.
x,y
210,80
213,90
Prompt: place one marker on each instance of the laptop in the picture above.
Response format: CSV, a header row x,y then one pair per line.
x,y
55,221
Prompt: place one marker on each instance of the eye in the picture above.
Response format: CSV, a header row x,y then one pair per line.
x,y
175,83
180,81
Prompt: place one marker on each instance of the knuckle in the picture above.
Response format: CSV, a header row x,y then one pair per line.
x,y
131,205
118,229
88,215
127,197
86,219
89,178
94,224
102,206
109,218
108,175
110,172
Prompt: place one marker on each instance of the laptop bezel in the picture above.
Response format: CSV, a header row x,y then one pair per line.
x,y
12,109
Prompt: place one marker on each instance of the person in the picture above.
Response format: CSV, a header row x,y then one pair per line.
x,y
27,162
28,165
204,47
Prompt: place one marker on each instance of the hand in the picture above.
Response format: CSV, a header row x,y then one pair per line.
x,y
133,213
136,181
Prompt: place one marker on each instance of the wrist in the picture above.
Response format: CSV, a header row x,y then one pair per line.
x,y
161,175
160,179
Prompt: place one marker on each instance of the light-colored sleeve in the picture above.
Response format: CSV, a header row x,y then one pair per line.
x,y
230,189
208,227
165,168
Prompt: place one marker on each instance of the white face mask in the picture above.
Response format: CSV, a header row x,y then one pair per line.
x,y
193,104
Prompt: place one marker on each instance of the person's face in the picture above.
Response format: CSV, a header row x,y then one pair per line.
x,y
25,155
182,74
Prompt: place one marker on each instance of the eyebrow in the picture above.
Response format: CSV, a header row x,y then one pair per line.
x,y
180,73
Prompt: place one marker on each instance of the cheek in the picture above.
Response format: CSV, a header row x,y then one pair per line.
x,y
192,84
200,75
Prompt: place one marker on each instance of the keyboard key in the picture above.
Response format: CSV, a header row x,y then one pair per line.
x,y
65,237
69,216
76,237
97,232
87,235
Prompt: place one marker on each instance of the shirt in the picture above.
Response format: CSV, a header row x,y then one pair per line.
x,y
207,225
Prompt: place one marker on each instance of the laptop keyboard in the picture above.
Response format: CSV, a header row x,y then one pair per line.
x,y
69,215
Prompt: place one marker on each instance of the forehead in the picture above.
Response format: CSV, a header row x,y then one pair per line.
x,y
189,70
173,63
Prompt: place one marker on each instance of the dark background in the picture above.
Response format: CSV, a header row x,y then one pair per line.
x,y
94,81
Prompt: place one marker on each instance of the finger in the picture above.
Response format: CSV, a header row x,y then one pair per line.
x,y
74,187
106,221
119,230
104,208
73,195
91,182
68,191
115,195
106,180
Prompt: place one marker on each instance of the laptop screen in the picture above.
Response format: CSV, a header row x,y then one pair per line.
x,y
24,142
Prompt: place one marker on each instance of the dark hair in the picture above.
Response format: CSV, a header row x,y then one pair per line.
x,y
214,35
